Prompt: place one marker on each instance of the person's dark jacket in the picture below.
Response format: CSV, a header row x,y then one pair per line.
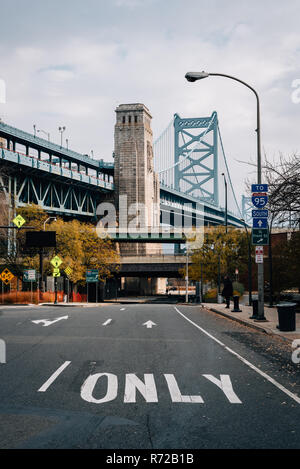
x,y
228,289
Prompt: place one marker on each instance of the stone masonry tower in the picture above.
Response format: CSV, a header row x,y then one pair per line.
x,y
134,174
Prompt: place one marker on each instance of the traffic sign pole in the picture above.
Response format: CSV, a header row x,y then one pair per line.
x,y
55,290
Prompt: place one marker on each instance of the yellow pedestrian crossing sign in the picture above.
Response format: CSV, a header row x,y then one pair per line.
x,y
6,276
68,271
19,221
56,261
56,272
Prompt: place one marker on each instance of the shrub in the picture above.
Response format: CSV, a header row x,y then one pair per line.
x,y
212,293
238,289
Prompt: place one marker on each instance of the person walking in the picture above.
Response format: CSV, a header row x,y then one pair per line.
x,y
227,291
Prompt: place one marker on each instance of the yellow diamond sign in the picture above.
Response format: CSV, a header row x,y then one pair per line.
x,y
6,276
68,271
19,221
56,261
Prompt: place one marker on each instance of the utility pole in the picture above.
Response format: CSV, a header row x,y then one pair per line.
x,y
187,275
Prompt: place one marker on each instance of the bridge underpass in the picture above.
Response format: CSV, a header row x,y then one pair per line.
x,y
145,276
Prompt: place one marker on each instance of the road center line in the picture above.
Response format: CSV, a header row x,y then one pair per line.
x,y
253,367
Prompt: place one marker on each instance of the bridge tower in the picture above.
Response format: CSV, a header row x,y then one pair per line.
x,y
137,191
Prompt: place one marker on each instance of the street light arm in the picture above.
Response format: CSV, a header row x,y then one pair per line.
x,y
257,117
236,79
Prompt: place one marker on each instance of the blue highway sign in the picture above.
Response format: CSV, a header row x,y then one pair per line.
x,y
260,223
260,213
259,187
260,236
260,201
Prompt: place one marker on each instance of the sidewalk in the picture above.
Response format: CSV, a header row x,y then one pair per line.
x,y
269,327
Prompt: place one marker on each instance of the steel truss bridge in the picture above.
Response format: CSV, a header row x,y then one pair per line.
x,y
69,184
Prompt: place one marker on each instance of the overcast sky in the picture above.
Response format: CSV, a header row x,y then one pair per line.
x,y
70,62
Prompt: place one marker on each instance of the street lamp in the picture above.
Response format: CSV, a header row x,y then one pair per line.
x,y
34,129
194,76
61,130
67,143
225,202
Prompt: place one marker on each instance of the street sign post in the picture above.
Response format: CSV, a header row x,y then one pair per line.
x,y
91,276
29,275
260,236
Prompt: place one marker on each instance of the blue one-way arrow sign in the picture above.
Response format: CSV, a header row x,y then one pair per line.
x,y
260,223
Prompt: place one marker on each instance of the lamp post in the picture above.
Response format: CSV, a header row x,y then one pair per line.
x,y
187,274
194,76
61,130
226,217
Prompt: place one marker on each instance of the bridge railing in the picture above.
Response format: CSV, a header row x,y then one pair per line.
x,y
52,168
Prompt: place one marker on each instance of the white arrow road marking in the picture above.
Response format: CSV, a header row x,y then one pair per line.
x,y
53,377
122,309
149,324
107,322
48,322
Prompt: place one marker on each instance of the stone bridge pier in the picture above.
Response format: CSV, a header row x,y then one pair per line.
x,y
137,191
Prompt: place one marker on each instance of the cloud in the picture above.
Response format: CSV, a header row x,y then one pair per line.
x,y
96,55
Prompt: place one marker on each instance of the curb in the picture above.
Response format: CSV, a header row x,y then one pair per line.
x,y
250,324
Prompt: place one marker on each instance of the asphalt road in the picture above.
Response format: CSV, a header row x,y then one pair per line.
x,y
100,378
